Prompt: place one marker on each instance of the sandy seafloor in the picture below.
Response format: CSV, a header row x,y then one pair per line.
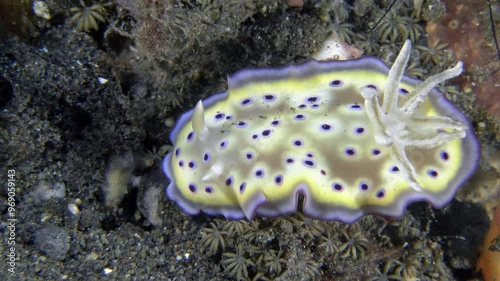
x,y
85,117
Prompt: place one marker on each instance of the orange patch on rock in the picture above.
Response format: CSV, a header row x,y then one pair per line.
x,y
489,260
295,3
468,34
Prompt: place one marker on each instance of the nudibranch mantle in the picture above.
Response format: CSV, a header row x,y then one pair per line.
x,y
353,137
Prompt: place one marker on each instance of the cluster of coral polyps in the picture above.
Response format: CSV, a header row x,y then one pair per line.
x,y
467,29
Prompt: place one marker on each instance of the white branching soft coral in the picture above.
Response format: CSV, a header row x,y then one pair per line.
x,y
398,128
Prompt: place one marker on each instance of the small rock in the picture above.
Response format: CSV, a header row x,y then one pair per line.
x,y
73,208
53,241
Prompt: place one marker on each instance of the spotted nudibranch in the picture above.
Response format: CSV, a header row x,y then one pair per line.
x,y
320,130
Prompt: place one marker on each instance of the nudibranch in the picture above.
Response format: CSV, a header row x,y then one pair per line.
x,y
352,137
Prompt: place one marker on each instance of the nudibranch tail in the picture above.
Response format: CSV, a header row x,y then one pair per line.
x,y
319,130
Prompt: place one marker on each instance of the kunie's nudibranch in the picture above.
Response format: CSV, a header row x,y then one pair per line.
x,y
353,137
